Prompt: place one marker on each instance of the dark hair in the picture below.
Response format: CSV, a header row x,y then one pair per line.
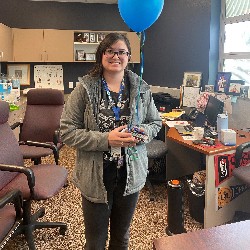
x,y
106,43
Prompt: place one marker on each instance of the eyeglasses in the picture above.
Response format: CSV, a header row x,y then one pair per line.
x,y
120,53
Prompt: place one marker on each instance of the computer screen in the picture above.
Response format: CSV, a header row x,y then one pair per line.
x,y
213,108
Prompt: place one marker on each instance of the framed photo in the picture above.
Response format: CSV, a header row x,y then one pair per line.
x,y
90,56
222,82
86,37
20,71
209,88
235,87
192,79
244,92
80,55
92,38
100,37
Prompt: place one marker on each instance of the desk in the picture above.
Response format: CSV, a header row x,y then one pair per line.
x,y
231,236
183,158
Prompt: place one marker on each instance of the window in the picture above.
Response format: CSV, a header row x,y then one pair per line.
x,y
235,39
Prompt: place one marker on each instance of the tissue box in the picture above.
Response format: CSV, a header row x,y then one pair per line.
x,y
228,137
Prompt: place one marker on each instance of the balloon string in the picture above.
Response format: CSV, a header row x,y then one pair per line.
x,y
142,41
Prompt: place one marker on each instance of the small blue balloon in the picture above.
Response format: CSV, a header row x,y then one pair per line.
x,y
140,14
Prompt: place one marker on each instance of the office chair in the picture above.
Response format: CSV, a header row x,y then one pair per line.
x,y
156,149
10,215
243,174
39,131
38,182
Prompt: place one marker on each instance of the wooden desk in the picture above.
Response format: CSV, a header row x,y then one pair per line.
x,y
184,158
234,236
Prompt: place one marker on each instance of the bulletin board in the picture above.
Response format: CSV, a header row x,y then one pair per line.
x,y
48,76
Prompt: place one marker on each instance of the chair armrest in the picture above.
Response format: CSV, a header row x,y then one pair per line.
x,y
15,197
57,137
37,144
15,125
239,152
27,171
44,145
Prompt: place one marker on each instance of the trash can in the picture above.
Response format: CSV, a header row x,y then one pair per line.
x,y
196,196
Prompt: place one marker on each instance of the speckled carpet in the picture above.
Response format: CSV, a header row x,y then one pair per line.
x,y
149,222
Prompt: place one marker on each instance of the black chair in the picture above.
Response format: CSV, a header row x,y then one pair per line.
x,y
38,182
39,131
156,149
10,215
242,174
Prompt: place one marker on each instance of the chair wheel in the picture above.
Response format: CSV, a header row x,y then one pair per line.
x,y
42,212
152,198
62,230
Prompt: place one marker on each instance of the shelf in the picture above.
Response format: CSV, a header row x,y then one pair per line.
x,y
83,43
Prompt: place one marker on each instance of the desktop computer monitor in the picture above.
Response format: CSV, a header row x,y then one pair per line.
x,y
213,108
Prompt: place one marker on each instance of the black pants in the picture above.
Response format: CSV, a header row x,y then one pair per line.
x,y
118,212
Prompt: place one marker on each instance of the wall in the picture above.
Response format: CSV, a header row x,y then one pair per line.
x,y
177,42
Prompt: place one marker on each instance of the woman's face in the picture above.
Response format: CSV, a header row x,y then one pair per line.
x,y
115,58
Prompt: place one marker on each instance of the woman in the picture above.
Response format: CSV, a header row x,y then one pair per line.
x,y
111,164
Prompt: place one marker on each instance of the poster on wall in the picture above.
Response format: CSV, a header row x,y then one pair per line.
x,y
190,96
48,76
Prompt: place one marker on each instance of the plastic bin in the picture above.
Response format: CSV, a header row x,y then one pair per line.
x,y
196,200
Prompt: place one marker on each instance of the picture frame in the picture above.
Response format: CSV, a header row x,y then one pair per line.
x,y
86,37
80,55
192,79
20,71
90,56
234,88
100,37
92,37
244,91
209,88
78,37
222,82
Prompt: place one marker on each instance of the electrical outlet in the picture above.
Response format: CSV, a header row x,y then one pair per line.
x,y
71,85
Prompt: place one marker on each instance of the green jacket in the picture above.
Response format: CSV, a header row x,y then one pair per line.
x,y
79,129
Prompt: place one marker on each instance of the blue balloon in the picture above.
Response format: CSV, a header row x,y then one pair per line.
x,y
140,14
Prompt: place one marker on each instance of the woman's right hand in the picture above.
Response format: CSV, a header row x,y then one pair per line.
x,y
120,137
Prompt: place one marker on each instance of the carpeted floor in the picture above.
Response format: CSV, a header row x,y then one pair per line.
x,y
149,222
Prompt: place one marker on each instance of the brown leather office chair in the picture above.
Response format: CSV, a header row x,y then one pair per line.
x,y
10,215
38,182
156,149
39,131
